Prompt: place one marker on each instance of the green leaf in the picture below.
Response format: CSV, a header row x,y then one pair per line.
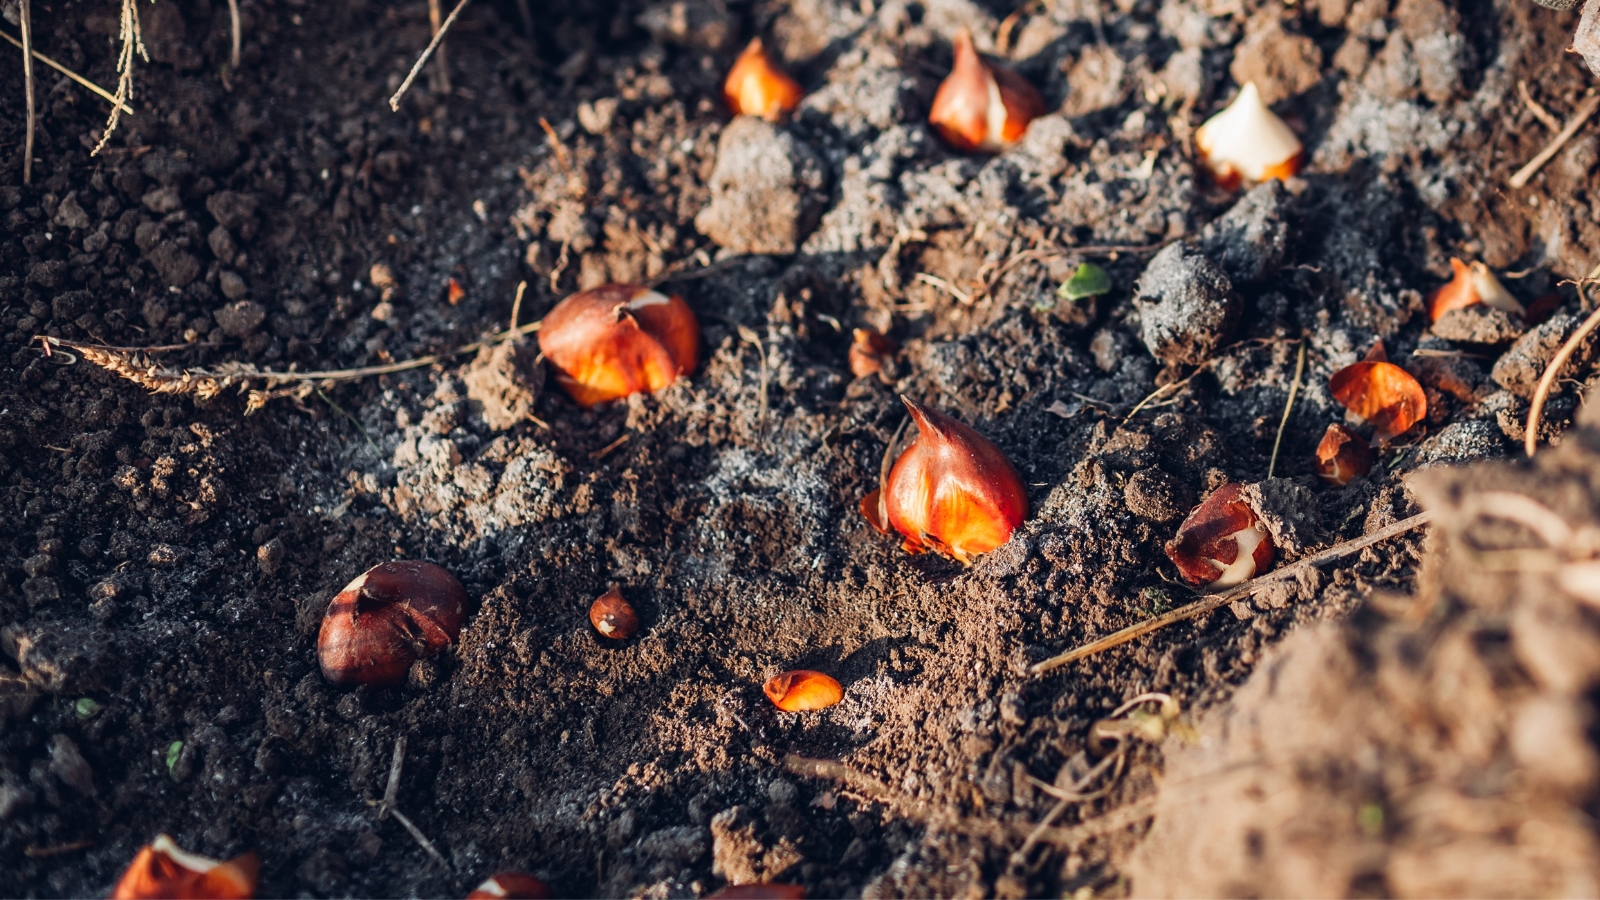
x,y
86,708
173,749
1089,281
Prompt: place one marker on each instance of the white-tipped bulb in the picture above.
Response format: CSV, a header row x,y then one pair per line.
x,y
1247,142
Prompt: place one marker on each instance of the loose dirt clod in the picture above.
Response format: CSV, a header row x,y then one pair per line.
x,y
1188,308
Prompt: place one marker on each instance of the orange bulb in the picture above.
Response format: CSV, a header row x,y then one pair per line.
x,y
1343,455
510,886
868,350
613,617
980,106
756,86
1381,393
1222,543
952,491
163,870
1471,284
619,339
803,691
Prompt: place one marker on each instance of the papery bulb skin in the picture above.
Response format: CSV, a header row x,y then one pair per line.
x,y
758,86
162,870
1247,143
510,886
619,339
394,614
1472,283
803,690
982,107
1343,456
1222,543
952,491
1382,394
613,617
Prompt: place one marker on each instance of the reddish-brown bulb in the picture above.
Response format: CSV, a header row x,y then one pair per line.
x,y
613,617
982,107
619,339
803,690
511,886
1222,543
868,349
393,615
758,86
952,491
1343,455
763,890
161,869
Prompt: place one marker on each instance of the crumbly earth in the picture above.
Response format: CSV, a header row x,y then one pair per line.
x,y
168,558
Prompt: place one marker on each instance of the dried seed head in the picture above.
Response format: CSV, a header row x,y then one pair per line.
x,y
394,614
1472,283
1381,393
1222,543
952,491
803,690
868,349
980,106
757,86
1343,455
613,617
510,886
619,339
161,869
1247,142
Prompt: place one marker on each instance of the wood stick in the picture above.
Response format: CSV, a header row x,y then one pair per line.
x,y
1526,173
86,83
394,102
1217,601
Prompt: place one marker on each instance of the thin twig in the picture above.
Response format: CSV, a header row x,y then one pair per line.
x,y
1526,173
1530,437
421,838
1217,601
516,307
1539,112
27,87
392,789
86,83
606,451
238,34
1294,388
440,76
438,35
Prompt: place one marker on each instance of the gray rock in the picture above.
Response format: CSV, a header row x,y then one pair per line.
x,y
684,843
162,200
1479,323
767,190
1251,240
1518,370
233,285
1187,306
240,318
70,214
67,763
1461,442
1290,513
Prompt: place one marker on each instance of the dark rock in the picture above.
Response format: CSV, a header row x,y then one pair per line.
x,y
1251,240
684,843
766,190
47,274
223,246
67,763
177,267
69,214
162,200
1479,323
231,209
1187,306
240,318
232,284
1518,370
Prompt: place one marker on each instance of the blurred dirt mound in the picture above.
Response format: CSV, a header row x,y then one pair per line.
x,y
1433,746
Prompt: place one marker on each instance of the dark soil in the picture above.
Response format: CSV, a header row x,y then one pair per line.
x,y
169,558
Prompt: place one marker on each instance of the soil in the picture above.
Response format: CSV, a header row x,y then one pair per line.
x,y
168,558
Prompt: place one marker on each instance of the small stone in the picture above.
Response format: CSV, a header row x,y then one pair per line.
x,y
223,246
1187,306
1153,494
233,285
240,318
1478,324
231,209
1290,513
1550,739
270,556
1280,63
596,117
162,200
67,763
69,214
504,381
176,266
682,844
767,190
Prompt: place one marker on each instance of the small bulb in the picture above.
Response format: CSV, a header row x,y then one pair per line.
x,y
613,617
1472,284
1343,455
394,614
1382,394
868,349
1247,142
454,292
619,339
161,869
510,886
1222,543
980,106
952,491
803,691
757,86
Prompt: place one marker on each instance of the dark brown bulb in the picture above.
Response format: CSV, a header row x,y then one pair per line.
x,y
393,615
613,617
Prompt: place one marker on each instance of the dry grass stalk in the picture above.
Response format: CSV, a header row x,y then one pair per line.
x,y
1530,437
27,87
233,15
86,83
132,40
1288,407
433,46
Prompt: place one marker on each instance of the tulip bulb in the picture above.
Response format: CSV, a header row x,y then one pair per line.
x,y
757,86
510,886
952,491
161,869
868,349
1343,455
394,614
1222,543
1472,283
1247,142
619,339
803,691
1382,394
980,106
613,617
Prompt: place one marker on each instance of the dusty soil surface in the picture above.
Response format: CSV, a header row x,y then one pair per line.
x,y
167,559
